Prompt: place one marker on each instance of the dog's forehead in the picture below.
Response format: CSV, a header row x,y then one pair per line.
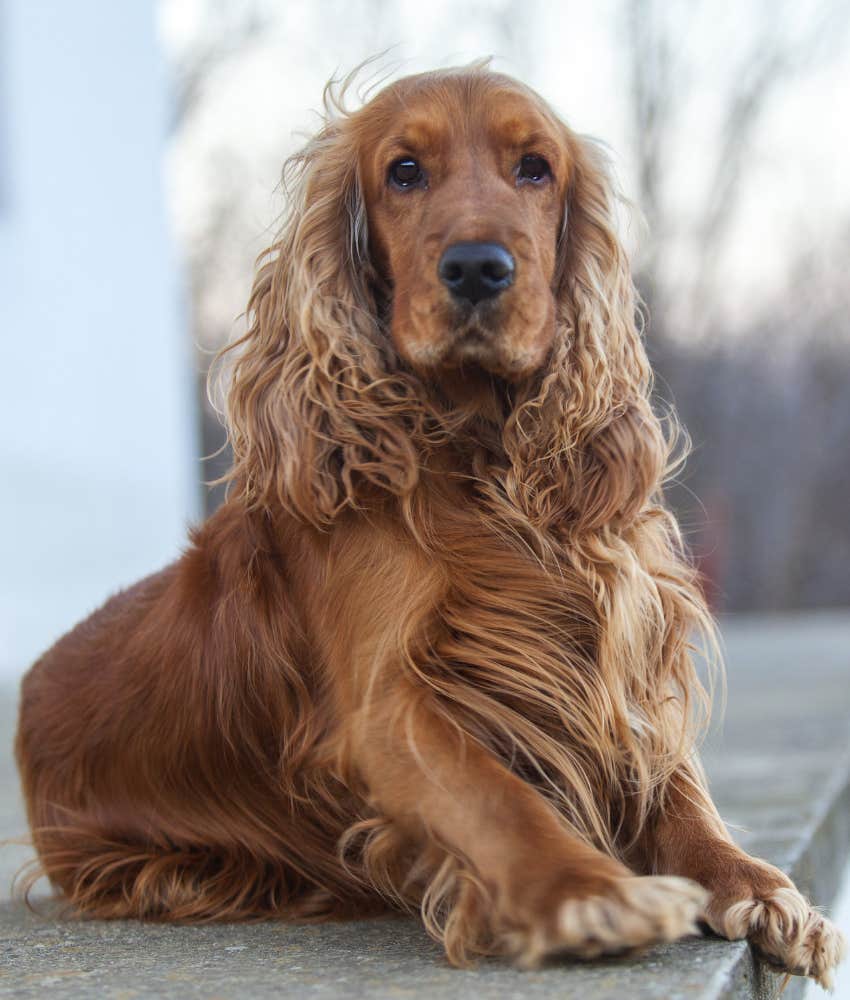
x,y
433,111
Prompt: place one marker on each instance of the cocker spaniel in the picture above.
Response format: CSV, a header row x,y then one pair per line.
x,y
435,650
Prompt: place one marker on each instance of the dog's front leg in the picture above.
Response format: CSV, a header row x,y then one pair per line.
x,y
749,897
543,889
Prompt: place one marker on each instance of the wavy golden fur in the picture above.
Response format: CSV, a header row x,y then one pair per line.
x,y
435,651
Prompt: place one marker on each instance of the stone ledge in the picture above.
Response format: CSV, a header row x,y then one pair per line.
x,y
780,772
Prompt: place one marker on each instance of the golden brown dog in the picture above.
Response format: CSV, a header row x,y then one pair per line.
x,y
435,650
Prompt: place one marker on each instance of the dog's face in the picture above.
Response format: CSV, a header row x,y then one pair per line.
x,y
465,182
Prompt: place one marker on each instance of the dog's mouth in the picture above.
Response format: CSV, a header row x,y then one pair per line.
x,y
456,336
475,331
472,340
485,348
482,324
478,335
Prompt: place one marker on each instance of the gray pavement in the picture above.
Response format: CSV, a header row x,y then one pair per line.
x,y
779,771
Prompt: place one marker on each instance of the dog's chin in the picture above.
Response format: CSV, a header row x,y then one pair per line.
x,y
478,354
475,351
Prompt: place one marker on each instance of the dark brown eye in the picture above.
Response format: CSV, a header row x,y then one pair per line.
x,y
533,168
406,173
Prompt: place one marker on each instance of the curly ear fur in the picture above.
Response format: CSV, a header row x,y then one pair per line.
x,y
317,408
586,448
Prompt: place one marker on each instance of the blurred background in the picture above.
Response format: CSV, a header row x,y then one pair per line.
x,y
140,152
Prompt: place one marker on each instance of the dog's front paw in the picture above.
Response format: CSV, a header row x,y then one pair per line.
x,y
638,912
786,931
631,914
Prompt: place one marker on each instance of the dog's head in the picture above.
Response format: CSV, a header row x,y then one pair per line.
x,y
449,234
465,179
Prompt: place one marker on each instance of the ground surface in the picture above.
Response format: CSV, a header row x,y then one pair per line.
x,y
779,772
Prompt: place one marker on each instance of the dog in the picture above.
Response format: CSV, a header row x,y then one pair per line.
x,y
435,651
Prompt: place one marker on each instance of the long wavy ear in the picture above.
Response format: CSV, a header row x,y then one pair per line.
x,y
586,448
317,411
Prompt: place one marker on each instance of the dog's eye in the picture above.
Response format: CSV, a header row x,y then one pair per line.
x,y
533,168
406,173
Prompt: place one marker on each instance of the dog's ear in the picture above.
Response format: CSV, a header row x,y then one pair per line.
x,y
316,406
622,452
592,451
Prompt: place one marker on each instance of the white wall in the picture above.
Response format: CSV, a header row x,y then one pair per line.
x,y
97,437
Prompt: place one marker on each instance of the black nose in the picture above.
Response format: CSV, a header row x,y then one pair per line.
x,y
476,271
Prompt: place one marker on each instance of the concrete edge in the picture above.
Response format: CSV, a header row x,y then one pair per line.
x,y
816,866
